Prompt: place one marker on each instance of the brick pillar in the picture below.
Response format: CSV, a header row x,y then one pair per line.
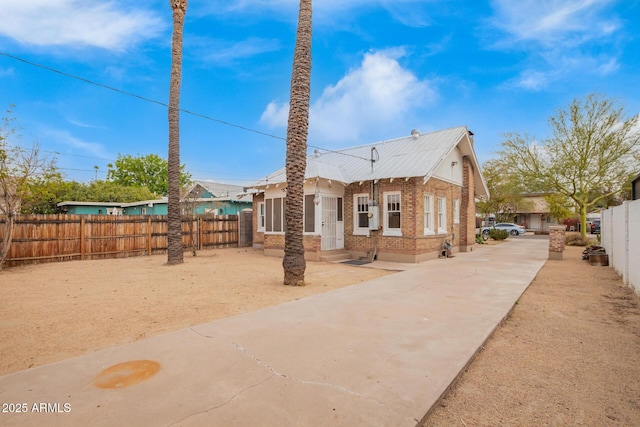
x,y
556,241
467,208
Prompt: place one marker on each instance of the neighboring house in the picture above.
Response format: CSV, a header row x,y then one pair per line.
x,y
395,200
535,214
218,198
145,207
203,198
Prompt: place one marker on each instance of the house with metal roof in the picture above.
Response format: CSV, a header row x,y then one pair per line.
x,y
204,197
396,200
218,198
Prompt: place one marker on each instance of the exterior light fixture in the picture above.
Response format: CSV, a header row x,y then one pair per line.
x,y
316,199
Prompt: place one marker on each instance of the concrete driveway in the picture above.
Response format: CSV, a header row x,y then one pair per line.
x,y
379,353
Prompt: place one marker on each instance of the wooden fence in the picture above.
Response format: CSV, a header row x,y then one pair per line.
x,y
53,238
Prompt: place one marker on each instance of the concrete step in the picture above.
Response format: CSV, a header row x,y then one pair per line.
x,y
334,256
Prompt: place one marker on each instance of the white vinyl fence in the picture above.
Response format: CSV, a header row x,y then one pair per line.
x,y
620,233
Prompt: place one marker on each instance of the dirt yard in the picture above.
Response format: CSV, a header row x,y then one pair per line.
x,y
569,354
51,312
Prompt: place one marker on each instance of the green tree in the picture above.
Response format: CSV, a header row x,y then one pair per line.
x,y
174,221
594,145
45,191
144,171
294,264
560,206
104,191
18,166
506,190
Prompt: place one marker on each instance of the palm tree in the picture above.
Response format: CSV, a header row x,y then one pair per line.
x,y
296,163
174,220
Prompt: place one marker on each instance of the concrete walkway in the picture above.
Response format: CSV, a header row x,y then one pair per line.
x,y
379,353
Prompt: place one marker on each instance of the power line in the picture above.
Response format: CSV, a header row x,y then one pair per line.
x,y
123,92
153,101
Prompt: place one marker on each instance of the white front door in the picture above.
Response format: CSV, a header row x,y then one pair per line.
x,y
332,224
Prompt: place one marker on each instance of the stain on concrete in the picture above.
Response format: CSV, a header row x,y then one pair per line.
x,y
126,374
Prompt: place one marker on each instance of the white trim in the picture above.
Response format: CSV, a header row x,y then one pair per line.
x,y
442,214
360,231
428,230
270,215
456,211
261,217
397,207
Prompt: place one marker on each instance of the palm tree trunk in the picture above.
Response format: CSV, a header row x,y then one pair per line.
x,y
174,220
294,263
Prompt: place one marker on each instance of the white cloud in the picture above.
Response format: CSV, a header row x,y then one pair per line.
x,y
112,25
559,37
275,115
413,13
83,124
7,72
609,67
530,80
65,138
554,22
378,93
227,52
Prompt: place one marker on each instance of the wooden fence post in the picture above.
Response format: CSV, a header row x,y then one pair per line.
x,y
149,235
200,233
82,242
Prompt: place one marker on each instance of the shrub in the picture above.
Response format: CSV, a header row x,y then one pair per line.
x,y
496,234
576,239
479,239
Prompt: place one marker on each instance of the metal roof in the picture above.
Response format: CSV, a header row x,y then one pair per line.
x,y
412,156
220,190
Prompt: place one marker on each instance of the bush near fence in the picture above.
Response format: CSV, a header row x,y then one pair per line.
x,y
53,238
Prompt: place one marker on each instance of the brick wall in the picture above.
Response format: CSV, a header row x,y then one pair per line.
x,y
413,245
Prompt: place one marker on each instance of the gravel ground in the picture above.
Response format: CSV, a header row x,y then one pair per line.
x,y
568,355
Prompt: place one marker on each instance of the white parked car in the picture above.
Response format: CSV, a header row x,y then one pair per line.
x,y
513,229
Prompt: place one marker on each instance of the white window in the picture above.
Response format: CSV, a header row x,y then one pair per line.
x,y
261,216
361,214
428,214
456,211
442,215
392,214
274,215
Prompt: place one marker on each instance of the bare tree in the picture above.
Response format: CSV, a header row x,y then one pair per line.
x,y
190,204
294,264
17,167
174,221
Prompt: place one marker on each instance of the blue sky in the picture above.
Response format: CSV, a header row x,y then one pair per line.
x,y
380,69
